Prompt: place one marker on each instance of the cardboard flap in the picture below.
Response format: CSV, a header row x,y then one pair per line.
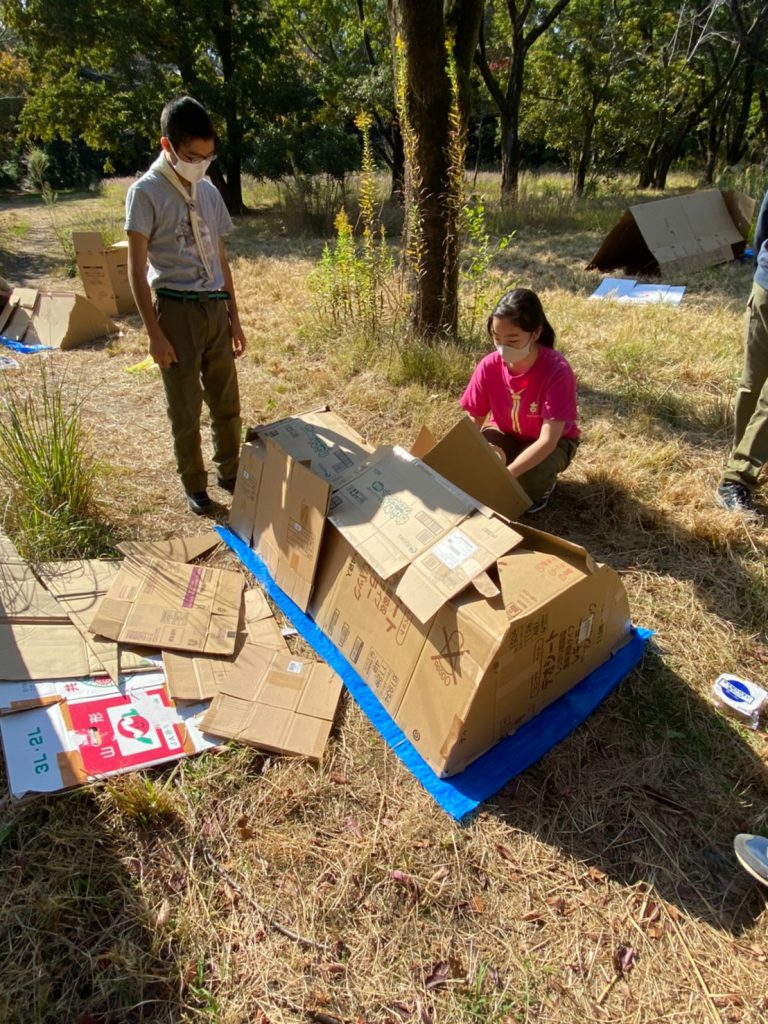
x,y
531,578
742,210
176,549
395,508
322,440
424,443
465,458
87,241
242,514
453,563
485,586
289,522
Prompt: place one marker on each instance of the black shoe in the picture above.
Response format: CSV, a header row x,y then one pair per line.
x,y
752,853
199,502
737,498
541,504
227,485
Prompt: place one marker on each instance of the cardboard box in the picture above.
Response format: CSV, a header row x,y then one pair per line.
x,y
157,603
37,638
681,234
104,272
86,737
276,702
365,619
489,665
465,458
60,319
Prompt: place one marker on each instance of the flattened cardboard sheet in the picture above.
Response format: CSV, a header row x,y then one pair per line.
x,y
192,677
277,702
78,587
243,511
172,606
37,638
51,749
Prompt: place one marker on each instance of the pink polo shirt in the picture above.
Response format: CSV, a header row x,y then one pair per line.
x,y
519,402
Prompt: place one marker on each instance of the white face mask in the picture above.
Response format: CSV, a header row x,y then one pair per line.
x,y
512,355
191,172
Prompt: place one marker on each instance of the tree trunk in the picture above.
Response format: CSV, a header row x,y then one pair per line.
x,y
421,26
511,150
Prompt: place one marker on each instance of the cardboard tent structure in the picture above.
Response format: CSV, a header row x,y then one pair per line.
x,y
464,624
59,319
679,234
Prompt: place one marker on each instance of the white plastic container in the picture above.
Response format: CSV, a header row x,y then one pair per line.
x,y
741,698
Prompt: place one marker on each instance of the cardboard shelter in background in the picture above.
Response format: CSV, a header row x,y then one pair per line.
x,y
59,319
104,272
678,234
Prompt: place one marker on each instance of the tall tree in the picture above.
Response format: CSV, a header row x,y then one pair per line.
x,y
102,70
526,23
421,30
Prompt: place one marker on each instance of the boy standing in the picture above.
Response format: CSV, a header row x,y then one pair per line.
x,y
175,220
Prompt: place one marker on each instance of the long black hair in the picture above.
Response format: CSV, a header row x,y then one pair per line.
x,y
523,307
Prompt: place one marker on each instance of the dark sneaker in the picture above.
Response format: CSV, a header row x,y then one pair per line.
x,y
199,502
737,498
227,485
752,853
541,504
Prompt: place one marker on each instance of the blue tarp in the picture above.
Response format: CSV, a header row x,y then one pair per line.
x,y
19,346
462,793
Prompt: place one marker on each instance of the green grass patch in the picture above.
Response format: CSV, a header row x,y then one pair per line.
x,y
48,474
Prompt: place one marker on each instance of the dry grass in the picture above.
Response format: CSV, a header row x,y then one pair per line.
x,y
168,899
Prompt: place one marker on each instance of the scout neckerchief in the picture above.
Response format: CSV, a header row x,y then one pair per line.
x,y
165,168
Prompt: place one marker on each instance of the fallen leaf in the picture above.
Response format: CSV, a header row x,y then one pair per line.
x,y
477,903
533,915
404,1010
332,968
424,1015
243,828
421,844
557,903
505,854
597,875
404,879
351,825
338,778
651,912
654,931
163,914
441,874
624,959
723,999
438,976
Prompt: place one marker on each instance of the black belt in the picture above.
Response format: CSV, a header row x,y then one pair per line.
x,y
189,296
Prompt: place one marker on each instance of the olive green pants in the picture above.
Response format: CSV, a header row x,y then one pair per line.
x,y
204,372
750,444
536,481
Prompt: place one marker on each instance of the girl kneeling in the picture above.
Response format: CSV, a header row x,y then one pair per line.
x,y
529,390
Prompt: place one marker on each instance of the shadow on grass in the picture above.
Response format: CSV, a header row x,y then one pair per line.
x,y
78,942
652,789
